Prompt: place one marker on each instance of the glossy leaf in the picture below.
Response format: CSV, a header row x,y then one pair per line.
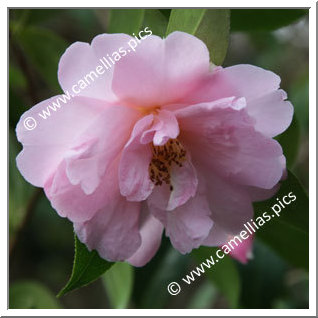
x,y
212,26
118,281
156,21
125,20
31,295
87,267
224,275
288,233
264,19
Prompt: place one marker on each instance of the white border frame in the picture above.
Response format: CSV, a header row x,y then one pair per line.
x,y
312,165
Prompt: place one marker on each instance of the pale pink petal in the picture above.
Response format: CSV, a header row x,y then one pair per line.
x,y
206,109
258,194
230,205
188,225
184,182
99,145
81,169
134,181
151,233
44,147
272,113
161,71
242,80
70,200
226,141
216,237
83,65
165,126
113,231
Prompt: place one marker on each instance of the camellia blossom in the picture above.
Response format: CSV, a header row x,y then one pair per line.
x,y
161,141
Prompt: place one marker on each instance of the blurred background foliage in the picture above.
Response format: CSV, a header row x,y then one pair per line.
x,y
41,243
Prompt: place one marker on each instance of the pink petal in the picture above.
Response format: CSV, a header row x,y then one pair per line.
x,y
99,145
243,80
78,66
134,181
161,71
165,127
216,237
45,146
81,169
70,200
272,113
230,205
206,109
258,194
113,231
151,233
226,141
188,225
184,181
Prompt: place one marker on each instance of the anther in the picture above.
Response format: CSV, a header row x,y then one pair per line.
x,y
163,158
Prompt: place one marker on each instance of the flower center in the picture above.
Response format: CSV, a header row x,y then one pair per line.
x,y
163,157
148,110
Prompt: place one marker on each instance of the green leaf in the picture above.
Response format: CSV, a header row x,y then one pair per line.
x,y
225,275
288,233
186,20
118,282
290,148
44,49
165,12
87,267
212,26
264,19
156,21
31,295
125,20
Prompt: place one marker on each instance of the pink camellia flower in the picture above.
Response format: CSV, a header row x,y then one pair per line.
x,y
160,142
